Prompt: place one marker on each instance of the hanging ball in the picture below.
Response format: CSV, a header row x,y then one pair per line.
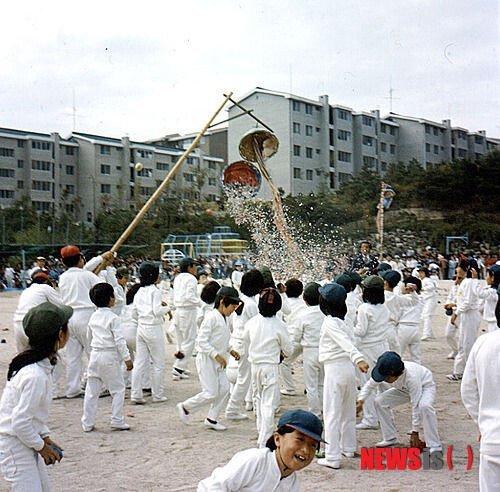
x,y
139,167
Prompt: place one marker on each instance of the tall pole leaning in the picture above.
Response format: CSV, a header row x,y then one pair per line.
x,y
126,233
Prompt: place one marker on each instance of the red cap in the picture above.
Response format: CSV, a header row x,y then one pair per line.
x,y
69,251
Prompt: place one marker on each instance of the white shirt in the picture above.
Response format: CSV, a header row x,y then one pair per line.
x,y
353,301
252,470
147,303
335,344
490,297
297,306
236,277
24,407
397,303
429,289
105,332
74,286
467,299
371,328
213,335
265,339
411,314
480,395
33,296
186,291
308,327
250,310
414,378
129,322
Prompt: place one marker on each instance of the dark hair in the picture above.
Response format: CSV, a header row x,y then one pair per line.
x,y
36,353
284,429
183,267
294,287
373,295
252,283
311,294
496,277
209,292
269,302
336,309
41,280
129,296
149,273
101,294
425,270
122,272
72,261
413,280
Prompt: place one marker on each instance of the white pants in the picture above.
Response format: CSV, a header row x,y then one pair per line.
x,y
214,387
393,397
243,381
185,334
409,339
77,345
428,310
489,473
22,467
266,393
104,371
287,382
22,342
371,353
339,409
313,379
393,338
451,333
468,325
150,345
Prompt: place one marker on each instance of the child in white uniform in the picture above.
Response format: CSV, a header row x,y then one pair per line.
x,y
467,317
267,340
251,284
272,468
372,337
339,355
307,336
296,305
213,350
353,300
186,303
25,446
74,286
150,343
411,383
451,331
489,295
481,398
429,298
409,320
129,330
39,291
108,352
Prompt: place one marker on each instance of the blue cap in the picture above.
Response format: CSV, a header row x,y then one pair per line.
x,y
388,364
494,268
392,276
303,421
238,263
382,267
333,292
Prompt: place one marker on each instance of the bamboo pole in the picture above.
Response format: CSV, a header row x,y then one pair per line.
x,y
126,233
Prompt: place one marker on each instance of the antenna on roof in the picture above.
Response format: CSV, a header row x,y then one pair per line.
x,y
391,95
74,110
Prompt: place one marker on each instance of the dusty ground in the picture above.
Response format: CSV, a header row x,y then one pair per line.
x,y
161,454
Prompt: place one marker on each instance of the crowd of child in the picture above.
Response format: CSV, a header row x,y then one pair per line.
x,y
358,338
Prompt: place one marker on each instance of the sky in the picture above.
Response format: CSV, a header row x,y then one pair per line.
x,y
150,68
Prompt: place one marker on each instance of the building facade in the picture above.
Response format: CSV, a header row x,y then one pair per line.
x,y
323,145
86,174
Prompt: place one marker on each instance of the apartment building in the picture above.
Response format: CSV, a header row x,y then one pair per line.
x,y
323,145
86,174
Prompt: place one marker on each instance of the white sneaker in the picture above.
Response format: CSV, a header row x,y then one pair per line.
x,y
451,355
182,414
236,416
426,338
120,427
386,444
288,392
364,426
159,400
87,429
249,406
335,464
349,454
217,426
138,401
177,375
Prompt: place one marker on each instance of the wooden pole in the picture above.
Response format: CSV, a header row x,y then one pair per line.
x,y
126,233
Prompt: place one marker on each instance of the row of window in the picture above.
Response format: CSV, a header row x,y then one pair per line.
x,y
309,151
392,129
4,152
297,105
297,174
435,148
383,148
309,129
